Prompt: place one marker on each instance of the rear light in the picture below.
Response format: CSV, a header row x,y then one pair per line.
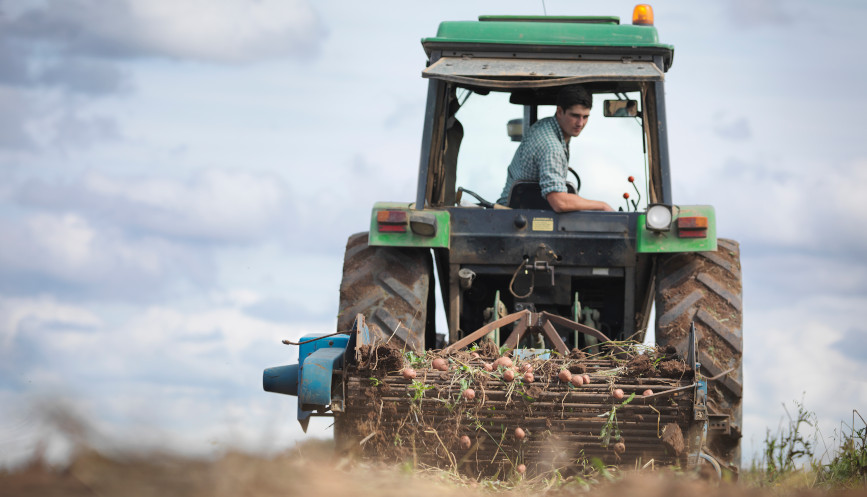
x,y
692,227
658,217
423,223
391,221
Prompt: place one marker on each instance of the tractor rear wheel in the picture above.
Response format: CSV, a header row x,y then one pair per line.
x,y
705,288
392,288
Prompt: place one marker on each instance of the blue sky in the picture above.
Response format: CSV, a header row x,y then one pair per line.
x,y
178,179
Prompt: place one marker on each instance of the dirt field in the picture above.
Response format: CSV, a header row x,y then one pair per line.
x,y
312,469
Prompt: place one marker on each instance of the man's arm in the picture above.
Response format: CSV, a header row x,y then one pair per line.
x,y
565,202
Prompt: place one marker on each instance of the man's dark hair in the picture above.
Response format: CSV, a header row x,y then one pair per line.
x,y
574,95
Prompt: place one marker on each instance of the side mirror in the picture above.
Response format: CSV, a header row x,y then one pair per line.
x,y
621,108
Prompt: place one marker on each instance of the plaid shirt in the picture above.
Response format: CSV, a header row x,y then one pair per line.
x,y
543,156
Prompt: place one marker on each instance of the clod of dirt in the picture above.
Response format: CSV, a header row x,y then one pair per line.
x,y
534,391
577,369
487,348
640,365
382,358
576,353
673,369
672,439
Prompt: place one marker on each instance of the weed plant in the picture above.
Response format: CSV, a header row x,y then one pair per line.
x,y
791,457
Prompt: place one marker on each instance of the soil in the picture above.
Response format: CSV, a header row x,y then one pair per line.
x,y
488,349
639,365
312,469
381,359
577,354
674,368
672,439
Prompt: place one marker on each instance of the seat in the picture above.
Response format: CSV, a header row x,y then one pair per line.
x,y
528,195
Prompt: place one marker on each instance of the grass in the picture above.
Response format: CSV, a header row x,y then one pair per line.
x,y
791,456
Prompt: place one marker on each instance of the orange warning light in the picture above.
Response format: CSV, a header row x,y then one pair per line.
x,y
643,15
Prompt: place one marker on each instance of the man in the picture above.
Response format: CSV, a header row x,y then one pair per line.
x,y
628,110
543,155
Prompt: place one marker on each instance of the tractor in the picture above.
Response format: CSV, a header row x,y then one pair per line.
x,y
516,278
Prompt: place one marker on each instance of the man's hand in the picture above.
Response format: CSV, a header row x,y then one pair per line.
x,y
567,202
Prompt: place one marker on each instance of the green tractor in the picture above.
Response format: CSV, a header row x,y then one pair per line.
x,y
524,277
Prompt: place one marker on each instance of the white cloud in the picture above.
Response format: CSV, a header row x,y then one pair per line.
x,y
101,229
217,205
17,314
160,377
68,253
224,31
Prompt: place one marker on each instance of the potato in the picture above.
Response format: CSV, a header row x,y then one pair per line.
x,y
489,366
519,433
648,392
522,468
469,394
526,367
508,375
528,377
617,393
504,361
408,374
586,379
619,447
475,355
577,380
440,364
565,375
466,443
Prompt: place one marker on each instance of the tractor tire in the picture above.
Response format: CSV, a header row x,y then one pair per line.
x,y
393,288
705,288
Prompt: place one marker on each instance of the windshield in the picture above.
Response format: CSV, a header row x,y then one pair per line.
x,y
607,152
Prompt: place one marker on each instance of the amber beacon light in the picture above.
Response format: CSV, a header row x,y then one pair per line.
x,y
643,15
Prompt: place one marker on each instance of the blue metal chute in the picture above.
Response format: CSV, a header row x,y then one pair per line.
x,y
316,377
281,379
311,379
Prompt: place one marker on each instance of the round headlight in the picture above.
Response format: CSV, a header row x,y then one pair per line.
x,y
659,217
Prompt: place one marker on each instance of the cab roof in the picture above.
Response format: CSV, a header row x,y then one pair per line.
x,y
549,34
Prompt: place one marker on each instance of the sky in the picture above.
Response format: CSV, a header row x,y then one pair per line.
x,y
178,180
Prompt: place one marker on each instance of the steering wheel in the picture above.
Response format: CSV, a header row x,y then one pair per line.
x,y
577,180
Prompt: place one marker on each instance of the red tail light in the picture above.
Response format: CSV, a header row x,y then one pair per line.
x,y
391,221
692,227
